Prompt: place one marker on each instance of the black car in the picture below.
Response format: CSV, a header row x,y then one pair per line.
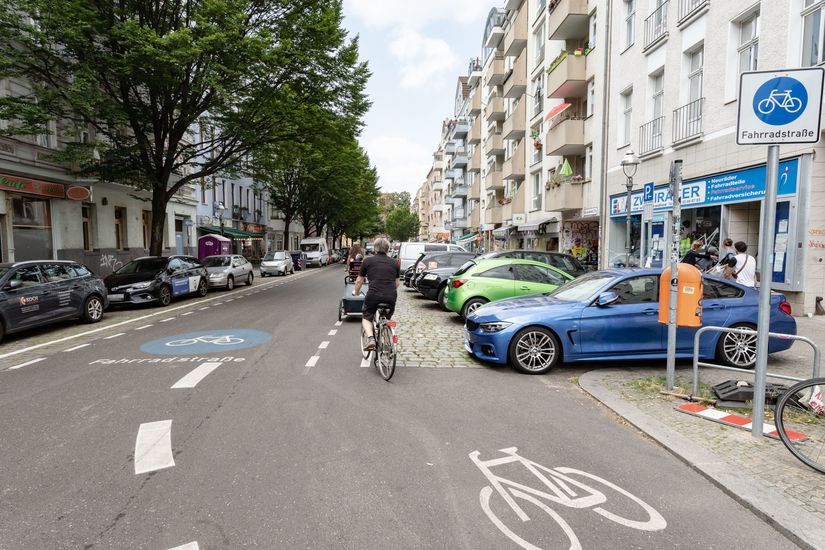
x,y
156,279
37,293
565,262
433,283
434,260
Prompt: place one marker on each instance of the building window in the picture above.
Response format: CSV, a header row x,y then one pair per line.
x,y
537,191
538,95
120,227
48,138
147,228
588,163
31,228
748,49
627,116
87,210
629,23
536,145
538,36
591,40
697,62
591,97
657,86
4,92
812,34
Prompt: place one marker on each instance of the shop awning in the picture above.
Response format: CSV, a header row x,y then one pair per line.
x,y
502,231
535,225
557,110
230,232
466,238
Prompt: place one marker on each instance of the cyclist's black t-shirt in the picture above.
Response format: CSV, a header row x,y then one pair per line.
x,y
381,272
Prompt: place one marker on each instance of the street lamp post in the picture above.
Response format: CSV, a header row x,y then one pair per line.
x,y
219,210
630,163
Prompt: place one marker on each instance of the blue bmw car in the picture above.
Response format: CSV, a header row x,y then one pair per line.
x,y
613,315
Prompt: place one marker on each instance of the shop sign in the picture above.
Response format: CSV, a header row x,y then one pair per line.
x,y
32,187
737,186
254,228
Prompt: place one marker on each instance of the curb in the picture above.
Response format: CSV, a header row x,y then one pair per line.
x,y
789,518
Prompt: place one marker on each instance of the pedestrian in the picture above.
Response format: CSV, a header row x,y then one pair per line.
x,y
693,255
355,255
744,270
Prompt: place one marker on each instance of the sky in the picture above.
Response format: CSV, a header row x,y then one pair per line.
x,y
416,50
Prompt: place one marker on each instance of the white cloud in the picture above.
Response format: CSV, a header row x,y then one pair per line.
x,y
423,60
418,13
402,164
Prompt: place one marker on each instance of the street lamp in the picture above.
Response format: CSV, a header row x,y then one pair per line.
x,y
219,210
630,163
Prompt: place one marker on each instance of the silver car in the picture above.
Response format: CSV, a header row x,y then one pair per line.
x,y
277,263
227,270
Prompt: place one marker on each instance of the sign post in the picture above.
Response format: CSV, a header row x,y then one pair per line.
x,y
675,224
647,217
775,107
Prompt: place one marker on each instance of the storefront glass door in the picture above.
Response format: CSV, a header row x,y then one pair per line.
x,y
32,229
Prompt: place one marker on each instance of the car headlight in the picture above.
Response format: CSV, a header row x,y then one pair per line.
x,y
430,277
140,286
496,326
215,275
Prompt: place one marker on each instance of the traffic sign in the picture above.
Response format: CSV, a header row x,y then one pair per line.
x,y
647,212
780,106
648,192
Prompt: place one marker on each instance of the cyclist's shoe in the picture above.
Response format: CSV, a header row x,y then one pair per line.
x,y
370,344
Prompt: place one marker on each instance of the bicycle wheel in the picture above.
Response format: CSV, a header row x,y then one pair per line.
x,y
385,352
800,421
365,354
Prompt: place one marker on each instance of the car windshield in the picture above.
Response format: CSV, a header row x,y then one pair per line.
x,y
217,261
566,263
145,265
274,256
582,288
309,247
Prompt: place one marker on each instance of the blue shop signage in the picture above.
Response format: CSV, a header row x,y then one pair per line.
x,y
737,186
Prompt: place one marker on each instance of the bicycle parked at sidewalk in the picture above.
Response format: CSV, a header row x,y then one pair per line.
x,y
800,421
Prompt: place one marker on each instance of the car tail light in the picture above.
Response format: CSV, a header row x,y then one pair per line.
x,y
458,282
785,308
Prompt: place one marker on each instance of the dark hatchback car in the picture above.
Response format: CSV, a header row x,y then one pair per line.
x,y
156,279
434,260
565,262
37,293
433,284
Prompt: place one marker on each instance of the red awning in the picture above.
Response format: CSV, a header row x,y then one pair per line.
x,y
557,110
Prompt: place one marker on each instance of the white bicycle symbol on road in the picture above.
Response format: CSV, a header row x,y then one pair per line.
x,y
227,340
565,487
782,99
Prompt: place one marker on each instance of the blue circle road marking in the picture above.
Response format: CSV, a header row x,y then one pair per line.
x,y
206,341
780,101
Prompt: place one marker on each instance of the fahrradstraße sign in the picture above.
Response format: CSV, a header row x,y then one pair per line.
x,y
778,107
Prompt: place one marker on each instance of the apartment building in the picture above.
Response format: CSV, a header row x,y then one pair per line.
x,y
674,73
457,159
475,203
434,190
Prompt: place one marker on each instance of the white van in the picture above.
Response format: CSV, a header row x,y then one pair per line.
x,y
409,252
316,250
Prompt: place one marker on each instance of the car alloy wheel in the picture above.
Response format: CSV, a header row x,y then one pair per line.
x,y
471,305
442,298
202,288
164,295
534,350
92,309
249,279
230,283
738,350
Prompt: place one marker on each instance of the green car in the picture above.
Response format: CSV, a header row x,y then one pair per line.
x,y
488,280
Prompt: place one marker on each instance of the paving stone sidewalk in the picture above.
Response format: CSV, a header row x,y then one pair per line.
x,y
759,472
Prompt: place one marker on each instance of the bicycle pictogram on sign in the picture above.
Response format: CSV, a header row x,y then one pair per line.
x,y
780,101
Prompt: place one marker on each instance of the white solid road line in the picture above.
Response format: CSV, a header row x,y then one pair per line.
x,y
27,363
153,447
333,332
165,311
114,335
76,348
312,361
191,380
188,546
323,345
144,327
365,363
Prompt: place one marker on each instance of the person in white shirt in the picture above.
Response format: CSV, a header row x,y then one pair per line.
x,y
744,271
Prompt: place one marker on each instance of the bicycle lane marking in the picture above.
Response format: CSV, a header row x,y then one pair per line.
x,y
194,377
153,447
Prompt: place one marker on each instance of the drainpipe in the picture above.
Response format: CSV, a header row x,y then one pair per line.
x,y
604,217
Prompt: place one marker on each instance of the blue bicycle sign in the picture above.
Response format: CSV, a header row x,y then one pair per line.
x,y
780,101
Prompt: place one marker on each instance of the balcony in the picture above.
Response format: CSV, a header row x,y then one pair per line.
x,y
515,37
514,126
493,215
475,217
475,190
566,138
493,181
475,160
460,190
475,104
687,122
495,71
475,132
449,147
474,72
513,167
459,158
496,33
494,145
568,19
689,9
650,136
460,128
568,78
519,206
494,109
516,83
507,211
564,196
656,27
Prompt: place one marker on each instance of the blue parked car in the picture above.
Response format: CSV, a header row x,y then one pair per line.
x,y
613,315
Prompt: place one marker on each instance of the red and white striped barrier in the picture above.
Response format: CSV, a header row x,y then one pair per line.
x,y
735,420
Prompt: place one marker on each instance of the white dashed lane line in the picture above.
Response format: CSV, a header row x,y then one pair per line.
x,y
153,447
76,348
187,313
27,363
333,332
191,380
312,361
323,345
144,327
167,320
188,546
338,323
365,363
114,335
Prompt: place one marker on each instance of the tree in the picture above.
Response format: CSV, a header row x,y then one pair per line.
x,y
144,76
402,224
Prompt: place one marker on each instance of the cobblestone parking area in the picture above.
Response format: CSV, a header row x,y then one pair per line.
x,y
428,336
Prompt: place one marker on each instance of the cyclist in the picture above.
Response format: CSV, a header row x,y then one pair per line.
x,y
384,276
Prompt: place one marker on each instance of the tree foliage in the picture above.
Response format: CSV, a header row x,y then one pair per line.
x,y
142,75
401,224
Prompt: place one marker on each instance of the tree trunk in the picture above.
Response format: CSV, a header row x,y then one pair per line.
x,y
158,222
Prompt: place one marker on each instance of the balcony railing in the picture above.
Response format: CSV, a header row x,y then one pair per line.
x,y
687,121
650,136
689,7
656,25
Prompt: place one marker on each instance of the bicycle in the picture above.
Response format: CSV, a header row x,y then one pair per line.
x,y
565,487
800,422
217,340
783,100
386,342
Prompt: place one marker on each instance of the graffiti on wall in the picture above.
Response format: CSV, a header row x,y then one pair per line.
x,y
580,238
110,262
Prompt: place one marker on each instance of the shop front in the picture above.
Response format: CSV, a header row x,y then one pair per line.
x,y
716,207
542,234
580,239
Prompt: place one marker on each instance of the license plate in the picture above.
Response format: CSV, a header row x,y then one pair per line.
x,y
116,297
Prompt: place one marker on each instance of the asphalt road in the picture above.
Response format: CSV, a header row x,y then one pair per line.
x,y
291,443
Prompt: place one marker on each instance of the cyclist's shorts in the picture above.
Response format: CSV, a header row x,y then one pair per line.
x,y
371,305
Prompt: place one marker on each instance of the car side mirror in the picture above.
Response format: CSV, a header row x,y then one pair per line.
x,y
13,285
607,298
